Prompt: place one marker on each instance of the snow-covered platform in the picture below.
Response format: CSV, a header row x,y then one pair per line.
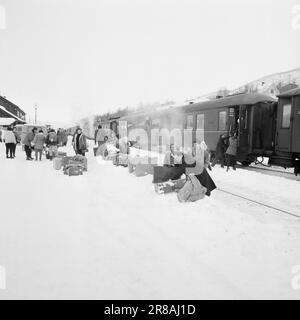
x,y
108,235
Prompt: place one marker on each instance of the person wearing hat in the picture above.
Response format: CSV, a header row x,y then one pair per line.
x,y
80,143
28,143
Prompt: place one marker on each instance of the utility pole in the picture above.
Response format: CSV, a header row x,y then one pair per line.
x,y
35,114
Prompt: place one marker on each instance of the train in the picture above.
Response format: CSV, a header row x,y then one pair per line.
x,y
267,127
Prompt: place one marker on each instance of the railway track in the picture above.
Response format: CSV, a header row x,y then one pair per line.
x,y
271,171
260,203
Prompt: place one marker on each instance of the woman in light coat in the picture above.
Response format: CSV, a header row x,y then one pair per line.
x,y
10,142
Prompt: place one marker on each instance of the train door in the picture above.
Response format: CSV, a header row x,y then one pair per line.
x,y
284,125
243,129
200,127
114,127
190,133
233,119
296,125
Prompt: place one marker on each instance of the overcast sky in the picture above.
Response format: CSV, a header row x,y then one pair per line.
x,y
78,57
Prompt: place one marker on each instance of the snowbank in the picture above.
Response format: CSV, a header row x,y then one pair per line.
x,y
107,235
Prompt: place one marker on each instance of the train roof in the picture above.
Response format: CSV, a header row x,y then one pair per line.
x,y
290,93
151,113
235,100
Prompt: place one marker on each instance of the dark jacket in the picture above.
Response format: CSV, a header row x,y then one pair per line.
x,y
221,147
82,142
28,139
39,141
51,139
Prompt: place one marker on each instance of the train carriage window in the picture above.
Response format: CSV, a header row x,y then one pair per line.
x,y
190,122
222,120
200,121
286,116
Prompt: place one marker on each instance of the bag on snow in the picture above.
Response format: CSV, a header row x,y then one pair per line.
x,y
142,170
73,171
57,163
80,160
164,174
170,186
192,190
61,154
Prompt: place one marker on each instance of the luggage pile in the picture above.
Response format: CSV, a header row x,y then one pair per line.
x,y
71,166
166,178
142,166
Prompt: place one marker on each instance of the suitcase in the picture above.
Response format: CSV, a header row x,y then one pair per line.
x,y
74,171
168,187
80,160
61,154
65,160
57,163
164,174
142,170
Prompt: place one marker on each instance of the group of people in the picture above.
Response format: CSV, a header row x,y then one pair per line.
x,y
11,138
226,151
38,141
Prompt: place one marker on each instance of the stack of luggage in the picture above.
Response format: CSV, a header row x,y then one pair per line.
x,y
75,166
72,166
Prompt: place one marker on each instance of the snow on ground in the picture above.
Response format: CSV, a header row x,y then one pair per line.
x,y
107,235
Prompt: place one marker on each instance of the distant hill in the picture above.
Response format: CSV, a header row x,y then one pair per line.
x,y
272,85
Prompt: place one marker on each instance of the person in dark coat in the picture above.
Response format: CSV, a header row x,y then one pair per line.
x,y
28,143
80,143
220,151
39,142
231,152
197,163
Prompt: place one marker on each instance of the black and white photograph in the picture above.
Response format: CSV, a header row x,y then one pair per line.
x,y
149,150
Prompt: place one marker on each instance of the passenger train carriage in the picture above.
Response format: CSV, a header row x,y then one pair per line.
x,y
266,127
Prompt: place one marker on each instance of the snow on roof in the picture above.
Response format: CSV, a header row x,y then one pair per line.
x,y
235,100
6,121
11,114
290,93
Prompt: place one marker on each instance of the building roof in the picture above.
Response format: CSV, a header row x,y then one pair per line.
x,y
9,114
4,101
6,121
235,100
290,93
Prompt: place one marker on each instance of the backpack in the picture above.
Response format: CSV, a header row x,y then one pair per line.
x,y
192,190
